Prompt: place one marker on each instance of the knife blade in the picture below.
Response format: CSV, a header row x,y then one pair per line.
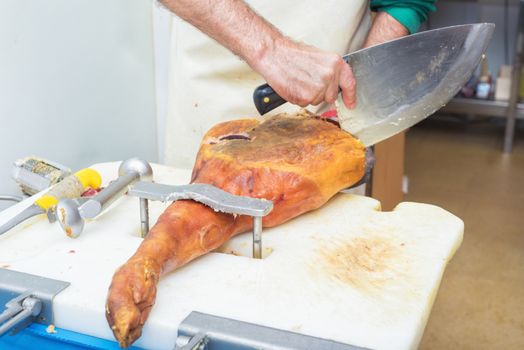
x,y
403,81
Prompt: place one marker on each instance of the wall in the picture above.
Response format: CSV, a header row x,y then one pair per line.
x,y
76,82
162,36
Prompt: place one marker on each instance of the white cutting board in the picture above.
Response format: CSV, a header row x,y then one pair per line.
x,y
345,272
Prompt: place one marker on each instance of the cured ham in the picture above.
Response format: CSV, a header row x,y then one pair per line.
x,y
297,161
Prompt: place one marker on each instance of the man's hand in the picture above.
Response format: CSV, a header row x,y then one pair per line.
x,y
299,73
305,75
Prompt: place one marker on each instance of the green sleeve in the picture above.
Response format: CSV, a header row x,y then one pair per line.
x,y
410,13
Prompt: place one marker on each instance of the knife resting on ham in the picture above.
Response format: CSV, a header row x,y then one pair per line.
x,y
297,161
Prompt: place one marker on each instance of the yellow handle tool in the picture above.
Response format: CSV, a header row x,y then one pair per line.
x,y
71,187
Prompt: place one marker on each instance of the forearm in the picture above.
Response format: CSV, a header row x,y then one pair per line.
x,y
410,13
384,28
232,23
300,73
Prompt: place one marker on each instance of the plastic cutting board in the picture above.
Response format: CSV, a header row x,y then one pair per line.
x,y
346,272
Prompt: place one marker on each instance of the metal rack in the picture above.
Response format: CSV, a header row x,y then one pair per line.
x,y
512,109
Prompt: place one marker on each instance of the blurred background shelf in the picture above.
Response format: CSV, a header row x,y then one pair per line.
x,y
488,108
502,13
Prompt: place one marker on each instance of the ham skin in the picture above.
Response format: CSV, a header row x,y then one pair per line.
x,y
297,161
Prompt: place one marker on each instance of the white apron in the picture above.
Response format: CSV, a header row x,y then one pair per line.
x,y
208,84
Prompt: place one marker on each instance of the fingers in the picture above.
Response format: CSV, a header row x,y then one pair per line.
x,y
323,81
331,92
337,74
305,75
348,85
304,94
320,97
300,96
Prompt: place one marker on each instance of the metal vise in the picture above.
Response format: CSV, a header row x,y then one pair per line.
x,y
72,213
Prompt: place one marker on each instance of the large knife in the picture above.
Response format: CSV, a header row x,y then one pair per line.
x,y
401,82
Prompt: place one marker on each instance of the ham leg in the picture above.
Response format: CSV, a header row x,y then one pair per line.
x,y
297,161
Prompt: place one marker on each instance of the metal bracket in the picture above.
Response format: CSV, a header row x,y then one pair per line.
x,y
28,298
211,196
197,342
370,163
206,194
19,313
201,331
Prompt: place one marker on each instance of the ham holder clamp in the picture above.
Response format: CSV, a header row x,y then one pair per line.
x,y
73,213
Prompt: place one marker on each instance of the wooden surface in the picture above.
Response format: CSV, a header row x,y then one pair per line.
x,y
388,171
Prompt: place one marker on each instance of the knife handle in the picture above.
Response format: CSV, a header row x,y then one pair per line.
x,y
71,187
266,99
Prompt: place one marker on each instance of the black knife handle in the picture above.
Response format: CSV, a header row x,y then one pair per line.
x,y
266,99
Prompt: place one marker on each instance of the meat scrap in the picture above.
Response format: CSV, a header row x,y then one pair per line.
x,y
90,192
296,161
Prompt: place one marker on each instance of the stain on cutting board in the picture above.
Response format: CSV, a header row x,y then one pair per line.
x,y
367,263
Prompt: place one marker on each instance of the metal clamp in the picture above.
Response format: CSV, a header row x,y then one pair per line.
x,y
211,196
197,342
28,298
370,163
72,213
200,331
19,312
